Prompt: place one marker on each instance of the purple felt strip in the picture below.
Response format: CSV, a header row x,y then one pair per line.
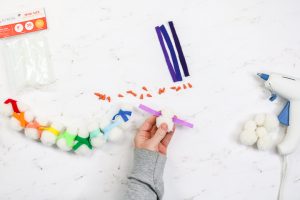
x,y
172,52
149,110
182,122
157,114
179,50
163,47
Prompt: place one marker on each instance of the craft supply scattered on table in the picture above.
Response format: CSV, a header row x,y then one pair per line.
x,y
146,93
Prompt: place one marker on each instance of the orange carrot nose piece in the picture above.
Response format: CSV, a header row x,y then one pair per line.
x,y
144,88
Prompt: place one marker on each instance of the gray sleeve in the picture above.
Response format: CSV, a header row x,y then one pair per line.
x,y
146,179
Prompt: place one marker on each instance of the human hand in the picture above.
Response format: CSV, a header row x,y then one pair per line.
x,y
153,138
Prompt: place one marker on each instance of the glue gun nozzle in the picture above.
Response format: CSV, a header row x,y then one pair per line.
x,y
263,76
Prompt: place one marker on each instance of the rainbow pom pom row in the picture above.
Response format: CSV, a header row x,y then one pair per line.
x,y
79,140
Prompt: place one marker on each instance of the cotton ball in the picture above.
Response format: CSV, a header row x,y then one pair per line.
x,y
6,110
248,137
62,143
271,123
115,135
250,125
264,143
99,140
31,130
260,119
167,113
169,121
261,132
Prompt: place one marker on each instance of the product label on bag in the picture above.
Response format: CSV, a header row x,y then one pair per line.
x,y
22,22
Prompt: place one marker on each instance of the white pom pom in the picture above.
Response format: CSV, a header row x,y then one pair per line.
x,y
32,133
261,132
260,119
167,113
48,138
83,132
115,135
6,110
271,122
248,137
83,149
169,121
62,143
264,143
98,141
250,125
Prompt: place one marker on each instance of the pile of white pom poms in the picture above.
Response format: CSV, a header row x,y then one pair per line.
x,y
262,130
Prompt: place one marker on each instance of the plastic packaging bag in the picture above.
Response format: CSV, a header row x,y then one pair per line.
x,y
26,55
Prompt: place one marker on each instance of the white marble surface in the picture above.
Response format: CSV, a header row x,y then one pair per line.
x,y
110,46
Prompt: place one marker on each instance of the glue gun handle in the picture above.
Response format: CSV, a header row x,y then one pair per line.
x,y
292,137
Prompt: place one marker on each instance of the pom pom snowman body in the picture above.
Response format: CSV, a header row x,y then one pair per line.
x,y
33,130
83,149
48,137
271,122
19,120
167,118
248,137
62,140
96,140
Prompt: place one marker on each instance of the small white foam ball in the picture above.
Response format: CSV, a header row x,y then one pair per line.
x,y
248,137
98,141
271,122
261,132
169,121
32,133
115,135
250,125
167,113
260,119
264,143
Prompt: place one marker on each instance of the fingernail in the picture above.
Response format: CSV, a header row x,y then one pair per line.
x,y
164,127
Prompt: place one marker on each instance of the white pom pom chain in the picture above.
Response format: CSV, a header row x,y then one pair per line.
x,y
81,141
258,131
